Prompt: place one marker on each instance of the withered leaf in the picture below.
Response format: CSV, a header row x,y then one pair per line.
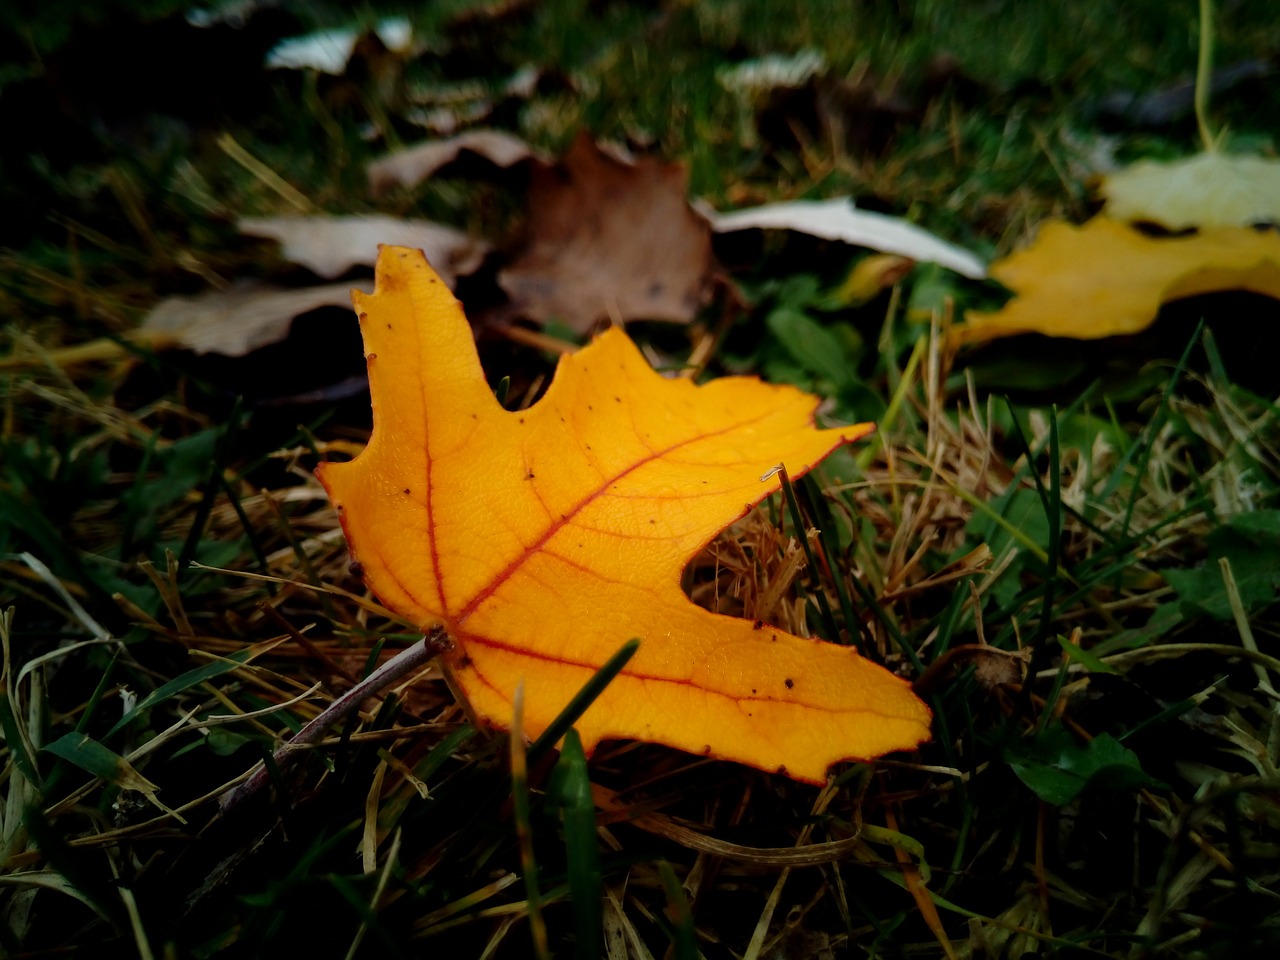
x,y
330,246
838,219
411,166
610,239
237,320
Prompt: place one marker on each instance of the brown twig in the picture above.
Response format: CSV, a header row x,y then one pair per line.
x,y
433,643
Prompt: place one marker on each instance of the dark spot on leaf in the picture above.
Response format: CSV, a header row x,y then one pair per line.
x,y
464,662
388,326
590,407
356,568
365,316
521,420
753,689
407,491
617,399
370,357
529,475
789,682
773,637
756,626
706,751
782,769
651,520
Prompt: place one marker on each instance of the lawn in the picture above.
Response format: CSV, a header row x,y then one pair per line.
x,y
1068,548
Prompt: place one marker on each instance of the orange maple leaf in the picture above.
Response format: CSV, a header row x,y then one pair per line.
x,y
543,539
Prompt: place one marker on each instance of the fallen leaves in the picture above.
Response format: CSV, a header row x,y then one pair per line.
x,y
237,320
610,238
330,246
838,219
1208,190
329,50
1106,278
544,539
413,165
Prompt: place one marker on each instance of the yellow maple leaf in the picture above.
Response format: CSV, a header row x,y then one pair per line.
x,y
1105,278
543,539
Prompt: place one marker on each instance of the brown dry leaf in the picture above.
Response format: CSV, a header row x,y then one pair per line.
x,y
1105,278
1208,190
238,320
330,246
409,167
610,239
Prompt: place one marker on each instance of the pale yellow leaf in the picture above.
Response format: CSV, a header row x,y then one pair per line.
x,y
1208,190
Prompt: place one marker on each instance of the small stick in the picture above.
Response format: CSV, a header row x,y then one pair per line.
x,y
433,643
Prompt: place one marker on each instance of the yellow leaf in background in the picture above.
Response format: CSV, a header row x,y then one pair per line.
x,y
870,275
543,539
1209,190
1105,278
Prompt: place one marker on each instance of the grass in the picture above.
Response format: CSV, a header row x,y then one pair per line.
x,y
1070,550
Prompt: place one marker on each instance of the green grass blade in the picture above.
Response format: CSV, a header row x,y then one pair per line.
x,y
820,510
583,699
815,573
71,863
1146,442
103,685
92,757
684,943
210,486
368,914
586,889
442,751
16,742
180,683
252,535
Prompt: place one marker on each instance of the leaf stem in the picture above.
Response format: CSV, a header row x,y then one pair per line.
x,y
1204,76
